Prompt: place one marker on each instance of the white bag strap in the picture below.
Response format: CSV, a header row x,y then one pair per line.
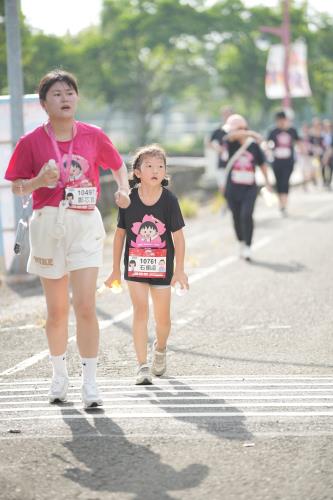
x,y
236,155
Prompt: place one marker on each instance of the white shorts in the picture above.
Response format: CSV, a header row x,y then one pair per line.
x,y
81,246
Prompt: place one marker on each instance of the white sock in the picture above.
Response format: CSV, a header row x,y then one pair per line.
x,y
59,365
89,366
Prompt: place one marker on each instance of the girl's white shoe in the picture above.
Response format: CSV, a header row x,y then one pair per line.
x,y
158,366
143,376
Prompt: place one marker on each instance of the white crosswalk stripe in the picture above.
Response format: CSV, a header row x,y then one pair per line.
x,y
201,397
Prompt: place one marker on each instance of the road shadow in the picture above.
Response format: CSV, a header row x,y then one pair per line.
x,y
108,462
270,222
243,359
293,267
29,288
311,219
230,427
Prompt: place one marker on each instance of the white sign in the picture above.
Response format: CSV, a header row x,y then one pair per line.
x,y
33,115
297,72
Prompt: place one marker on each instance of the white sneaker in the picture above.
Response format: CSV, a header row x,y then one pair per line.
x,y
58,389
143,376
246,252
91,397
158,365
283,212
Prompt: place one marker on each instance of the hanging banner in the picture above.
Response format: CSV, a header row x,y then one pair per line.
x,y
298,75
274,81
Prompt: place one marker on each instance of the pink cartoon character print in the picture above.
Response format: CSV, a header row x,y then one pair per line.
x,y
78,171
148,233
243,169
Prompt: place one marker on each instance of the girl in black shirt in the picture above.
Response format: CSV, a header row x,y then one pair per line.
x,y
152,227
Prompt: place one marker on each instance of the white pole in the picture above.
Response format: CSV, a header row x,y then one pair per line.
x,y
15,83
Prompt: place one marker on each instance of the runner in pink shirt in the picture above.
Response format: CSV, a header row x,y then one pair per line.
x,y
59,164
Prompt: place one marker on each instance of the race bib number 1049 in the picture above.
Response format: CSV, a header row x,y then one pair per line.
x,y
81,198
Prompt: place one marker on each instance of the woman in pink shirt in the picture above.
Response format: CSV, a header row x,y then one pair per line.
x,y
58,163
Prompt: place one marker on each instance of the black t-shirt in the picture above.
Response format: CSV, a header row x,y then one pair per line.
x,y
242,174
219,136
149,250
316,145
284,141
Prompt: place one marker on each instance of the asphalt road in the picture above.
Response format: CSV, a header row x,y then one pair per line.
x,y
246,408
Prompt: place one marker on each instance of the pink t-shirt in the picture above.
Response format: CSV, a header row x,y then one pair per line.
x,y
91,149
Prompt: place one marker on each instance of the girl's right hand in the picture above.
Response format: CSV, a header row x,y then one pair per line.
x,y
48,176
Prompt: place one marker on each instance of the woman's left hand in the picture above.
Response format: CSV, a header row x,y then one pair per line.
x,y
122,199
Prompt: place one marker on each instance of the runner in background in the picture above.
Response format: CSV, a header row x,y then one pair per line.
x,y
328,154
282,140
305,160
59,163
241,191
317,147
152,227
327,133
217,143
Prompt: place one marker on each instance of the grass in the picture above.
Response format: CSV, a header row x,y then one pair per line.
x,y
217,203
189,208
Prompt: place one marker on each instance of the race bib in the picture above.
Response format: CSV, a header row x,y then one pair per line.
x,y
281,153
243,177
147,263
81,198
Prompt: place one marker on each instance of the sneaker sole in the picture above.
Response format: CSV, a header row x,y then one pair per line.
x,y
57,400
158,374
145,381
93,404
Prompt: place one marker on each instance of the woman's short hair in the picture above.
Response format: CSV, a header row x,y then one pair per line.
x,y
56,75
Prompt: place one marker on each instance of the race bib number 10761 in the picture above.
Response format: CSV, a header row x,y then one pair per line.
x,y
147,263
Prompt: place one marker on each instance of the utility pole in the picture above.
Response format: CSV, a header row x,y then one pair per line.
x,y
15,83
283,32
14,68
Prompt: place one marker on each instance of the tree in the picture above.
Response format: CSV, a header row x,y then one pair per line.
x,y
3,58
320,44
40,54
143,56
148,55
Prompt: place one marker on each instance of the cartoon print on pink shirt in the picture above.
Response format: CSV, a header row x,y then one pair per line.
x,y
283,139
243,169
283,146
148,233
78,172
245,162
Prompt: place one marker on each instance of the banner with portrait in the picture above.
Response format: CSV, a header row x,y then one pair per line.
x,y
298,76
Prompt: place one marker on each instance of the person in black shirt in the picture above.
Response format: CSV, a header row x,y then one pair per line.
x,y
282,140
218,144
241,191
152,228
318,148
